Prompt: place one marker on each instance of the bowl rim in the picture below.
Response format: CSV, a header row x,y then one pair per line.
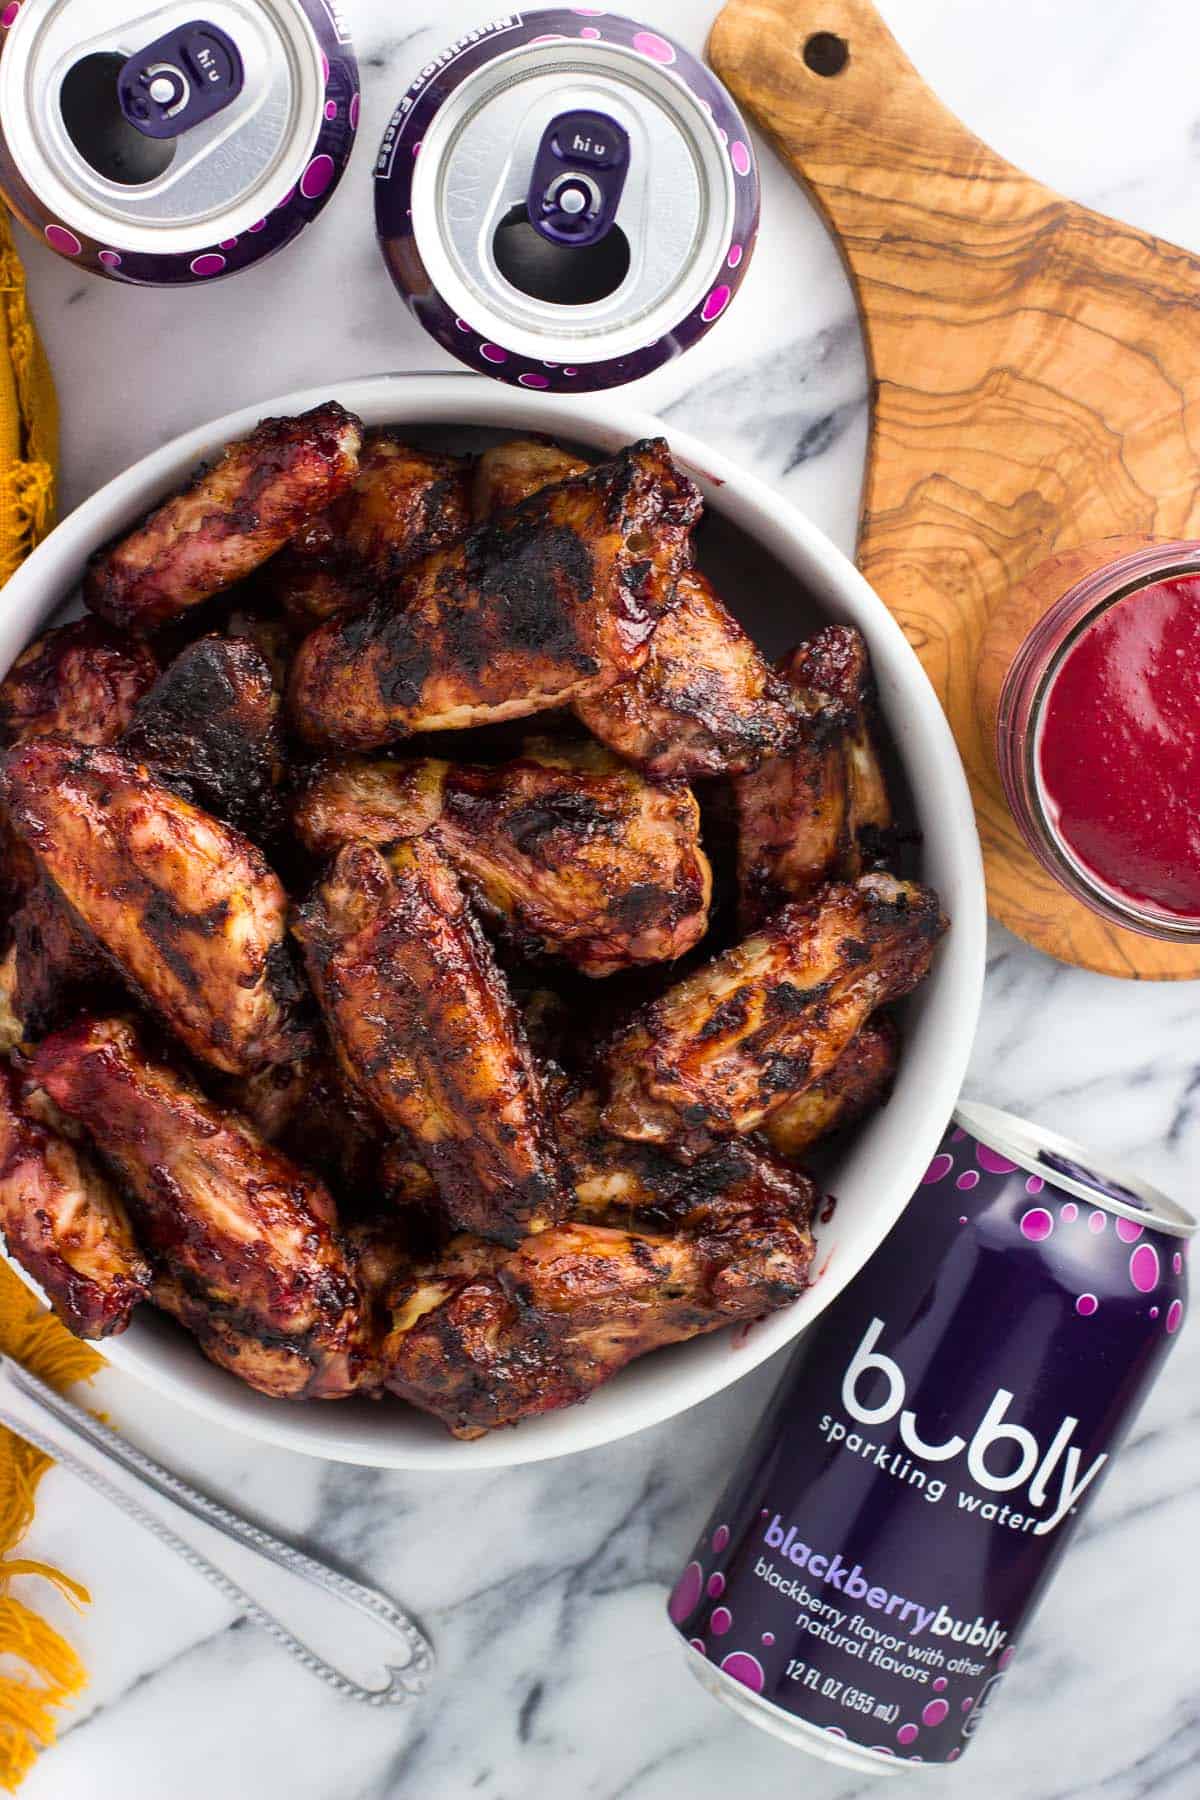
x,y
460,398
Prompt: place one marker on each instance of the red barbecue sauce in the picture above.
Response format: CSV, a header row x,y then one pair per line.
x,y
1119,750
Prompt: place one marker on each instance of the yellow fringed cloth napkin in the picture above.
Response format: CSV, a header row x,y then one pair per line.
x,y
39,1670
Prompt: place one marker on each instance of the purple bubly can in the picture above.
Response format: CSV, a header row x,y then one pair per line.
x,y
566,199
165,146
863,1584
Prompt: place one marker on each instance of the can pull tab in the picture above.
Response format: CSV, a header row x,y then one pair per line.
x,y
180,80
578,177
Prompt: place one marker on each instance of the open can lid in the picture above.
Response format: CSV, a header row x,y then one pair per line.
x,y
1068,1165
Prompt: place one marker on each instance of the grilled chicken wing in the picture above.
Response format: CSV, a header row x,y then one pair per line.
x,y
245,1240
404,503
554,599
65,1225
482,1336
704,702
726,1048
316,1118
572,852
859,1081
228,521
643,1187
209,729
509,473
186,908
81,680
54,959
821,811
424,1028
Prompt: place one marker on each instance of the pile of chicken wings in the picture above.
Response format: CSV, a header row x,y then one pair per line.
x,y
387,1044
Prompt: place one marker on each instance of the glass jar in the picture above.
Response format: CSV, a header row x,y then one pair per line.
x,y
1021,712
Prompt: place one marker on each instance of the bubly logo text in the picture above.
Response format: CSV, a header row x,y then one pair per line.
x,y
1053,1475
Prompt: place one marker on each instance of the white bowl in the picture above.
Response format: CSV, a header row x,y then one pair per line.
x,y
798,578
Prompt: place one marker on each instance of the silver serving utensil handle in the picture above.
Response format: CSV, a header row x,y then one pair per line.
x,y
113,1467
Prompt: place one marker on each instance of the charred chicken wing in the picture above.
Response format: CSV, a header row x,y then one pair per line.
x,y
54,960
424,1028
573,853
245,1240
80,681
704,702
729,1046
509,473
228,521
821,811
403,504
65,1225
859,1081
209,729
554,599
483,1336
185,907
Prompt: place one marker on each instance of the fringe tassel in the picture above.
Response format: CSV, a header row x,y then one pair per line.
x,y
49,1674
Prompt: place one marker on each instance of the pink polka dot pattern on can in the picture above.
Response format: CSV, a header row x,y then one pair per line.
x,y
716,303
1174,1318
934,1713
720,1621
229,243
992,1161
210,264
716,1586
1036,1224
533,381
324,68
938,1169
698,1644
908,1734
287,199
589,33
744,1668
1070,1211
258,225
111,259
1129,1231
685,1595
768,1637
317,177
967,1180
968,1703
355,110
1086,1305
1143,1268
648,43
331,109
739,156
1096,1221
720,1538
940,1684
834,1731
735,256
59,238
1034,1185
1177,1262
1006,1657
462,324
493,353
9,15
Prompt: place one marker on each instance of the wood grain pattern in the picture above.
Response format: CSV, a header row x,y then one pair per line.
x,y
1035,382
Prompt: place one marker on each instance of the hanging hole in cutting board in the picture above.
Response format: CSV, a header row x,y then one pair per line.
x,y
825,53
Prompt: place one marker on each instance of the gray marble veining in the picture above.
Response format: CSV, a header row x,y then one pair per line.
x,y
544,1586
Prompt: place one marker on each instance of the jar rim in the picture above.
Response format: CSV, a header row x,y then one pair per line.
x,y
1030,678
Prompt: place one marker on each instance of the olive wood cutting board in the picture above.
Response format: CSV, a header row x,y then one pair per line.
x,y
1035,381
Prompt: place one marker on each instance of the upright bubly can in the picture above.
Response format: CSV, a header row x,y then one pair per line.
x,y
863,1584
566,199
173,144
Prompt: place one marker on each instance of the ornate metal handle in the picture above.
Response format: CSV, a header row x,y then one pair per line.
x,y
60,1420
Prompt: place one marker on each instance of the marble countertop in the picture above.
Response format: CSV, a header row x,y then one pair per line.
x,y
544,1586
